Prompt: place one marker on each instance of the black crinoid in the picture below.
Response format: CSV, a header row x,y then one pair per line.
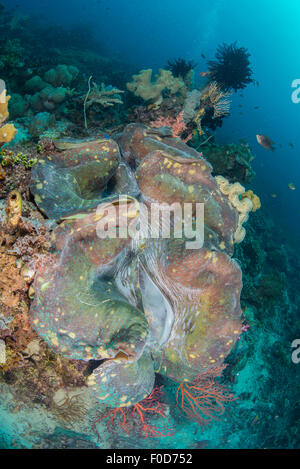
x,y
180,67
231,69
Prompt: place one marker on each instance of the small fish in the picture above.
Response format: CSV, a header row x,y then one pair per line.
x,y
203,56
255,420
291,145
204,74
256,107
292,186
265,142
274,196
107,136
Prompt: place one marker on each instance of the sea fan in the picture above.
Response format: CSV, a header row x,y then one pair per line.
x,y
231,69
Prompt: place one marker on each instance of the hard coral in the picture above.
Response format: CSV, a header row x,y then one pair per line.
x,y
103,95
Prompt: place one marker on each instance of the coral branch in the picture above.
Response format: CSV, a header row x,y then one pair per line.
x,y
177,125
125,417
102,95
203,400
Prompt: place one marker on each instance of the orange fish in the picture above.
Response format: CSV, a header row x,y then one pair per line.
x,y
265,142
204,74
292,186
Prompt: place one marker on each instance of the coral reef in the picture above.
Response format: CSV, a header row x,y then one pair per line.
x,y
51,83
232,161
29,368
52,90
127,318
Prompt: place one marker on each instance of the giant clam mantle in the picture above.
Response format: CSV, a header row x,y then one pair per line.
x,y
135,306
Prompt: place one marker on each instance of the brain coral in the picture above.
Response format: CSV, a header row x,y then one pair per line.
x,y
135,304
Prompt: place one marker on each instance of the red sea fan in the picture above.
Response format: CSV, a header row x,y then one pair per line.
x,y
203,400
125,418
177,125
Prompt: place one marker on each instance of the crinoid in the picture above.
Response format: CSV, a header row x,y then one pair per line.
x,y
231,67
219,100
180,67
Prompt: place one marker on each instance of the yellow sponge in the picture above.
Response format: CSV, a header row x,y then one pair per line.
x,y
7,131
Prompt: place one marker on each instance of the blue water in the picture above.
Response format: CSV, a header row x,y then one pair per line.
x,y
146,34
